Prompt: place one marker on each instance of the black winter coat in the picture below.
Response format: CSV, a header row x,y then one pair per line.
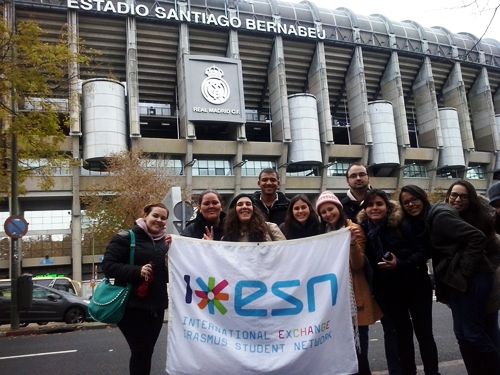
x,y
301,231
116,264
399,237
196,227
275,214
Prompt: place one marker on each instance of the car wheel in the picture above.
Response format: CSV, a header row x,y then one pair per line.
x,y
74,315
42,323
24,324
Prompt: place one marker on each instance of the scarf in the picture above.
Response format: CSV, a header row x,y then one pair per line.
x,y
373,234
353,198
141,223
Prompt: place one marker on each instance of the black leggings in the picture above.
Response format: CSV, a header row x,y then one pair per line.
x,y
141,329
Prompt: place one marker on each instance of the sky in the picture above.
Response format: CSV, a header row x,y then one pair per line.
x,y
451,14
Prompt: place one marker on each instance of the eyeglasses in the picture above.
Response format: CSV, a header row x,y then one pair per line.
x,y
463,197
412,201
356,175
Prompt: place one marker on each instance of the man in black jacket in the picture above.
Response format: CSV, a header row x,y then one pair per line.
x,y
358,180
270,201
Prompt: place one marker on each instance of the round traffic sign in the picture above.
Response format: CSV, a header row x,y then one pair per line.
x,y
15,226
188,210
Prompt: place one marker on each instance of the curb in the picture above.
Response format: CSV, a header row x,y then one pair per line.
x,y
53,328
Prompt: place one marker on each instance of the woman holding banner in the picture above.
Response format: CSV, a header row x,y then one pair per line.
x,y
332,217
401,284
143,318
208,223
301,219
246,223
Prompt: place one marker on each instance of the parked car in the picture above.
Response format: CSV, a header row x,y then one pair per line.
x,y
48,305
59,282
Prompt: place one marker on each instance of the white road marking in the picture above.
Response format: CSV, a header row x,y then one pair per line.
x,y
38,354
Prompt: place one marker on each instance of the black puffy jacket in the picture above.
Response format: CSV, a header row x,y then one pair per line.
x,y
277,212
196,227
116,264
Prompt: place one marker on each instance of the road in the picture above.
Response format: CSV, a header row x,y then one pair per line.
x,y
104,351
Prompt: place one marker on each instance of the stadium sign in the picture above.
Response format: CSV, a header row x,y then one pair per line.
x,y
172,14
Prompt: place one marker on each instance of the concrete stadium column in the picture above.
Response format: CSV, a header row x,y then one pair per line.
x,y
483,114
132,74
186,128
75,133
392,90
454,96
496,102
318,86
426,108
278,94
357,101
233,52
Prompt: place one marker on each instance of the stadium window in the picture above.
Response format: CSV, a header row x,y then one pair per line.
x,y
212,168
339,168
448,173
475,173
415,171
173,166
254,167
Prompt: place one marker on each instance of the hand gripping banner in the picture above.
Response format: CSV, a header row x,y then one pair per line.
x,y
260,308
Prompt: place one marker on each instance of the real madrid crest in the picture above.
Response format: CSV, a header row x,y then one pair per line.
x,y
214,88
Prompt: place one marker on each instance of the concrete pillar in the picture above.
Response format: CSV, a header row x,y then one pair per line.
x,y
426,107
132,74
357,100
496,102
75,132
278,94
233,52
483,114
318,86
454,96
392,90
186,128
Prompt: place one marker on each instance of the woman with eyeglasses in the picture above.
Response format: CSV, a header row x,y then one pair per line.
x,y
464,276
401,284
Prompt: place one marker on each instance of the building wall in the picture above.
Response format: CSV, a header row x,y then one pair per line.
x,y
345,60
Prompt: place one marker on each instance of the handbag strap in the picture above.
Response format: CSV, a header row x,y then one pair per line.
x,y
132,246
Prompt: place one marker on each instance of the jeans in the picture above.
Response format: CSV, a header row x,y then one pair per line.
x,y
475,330
141,329
391,347
410,310
363,362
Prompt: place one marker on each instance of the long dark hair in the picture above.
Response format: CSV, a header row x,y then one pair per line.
x,y
476,214
257,228
290,220
419,193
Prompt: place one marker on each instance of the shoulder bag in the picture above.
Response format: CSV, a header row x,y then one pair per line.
x,y
109,301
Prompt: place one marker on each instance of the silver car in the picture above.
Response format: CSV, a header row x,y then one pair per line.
x,y
48,305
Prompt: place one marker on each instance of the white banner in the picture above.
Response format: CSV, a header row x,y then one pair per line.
x,y
278,308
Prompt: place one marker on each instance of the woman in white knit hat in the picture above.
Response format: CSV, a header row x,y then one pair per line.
x,y
332,217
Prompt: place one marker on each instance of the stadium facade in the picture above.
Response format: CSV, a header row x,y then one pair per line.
x,y
224,88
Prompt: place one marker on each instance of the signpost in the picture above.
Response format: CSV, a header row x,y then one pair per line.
x,y
15,227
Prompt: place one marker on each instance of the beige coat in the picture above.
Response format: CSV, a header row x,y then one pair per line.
x,y
368,310
273,234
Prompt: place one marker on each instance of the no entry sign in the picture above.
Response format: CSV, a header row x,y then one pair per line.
x,y
15,226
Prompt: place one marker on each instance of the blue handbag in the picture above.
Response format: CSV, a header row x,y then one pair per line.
x,y
109,301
